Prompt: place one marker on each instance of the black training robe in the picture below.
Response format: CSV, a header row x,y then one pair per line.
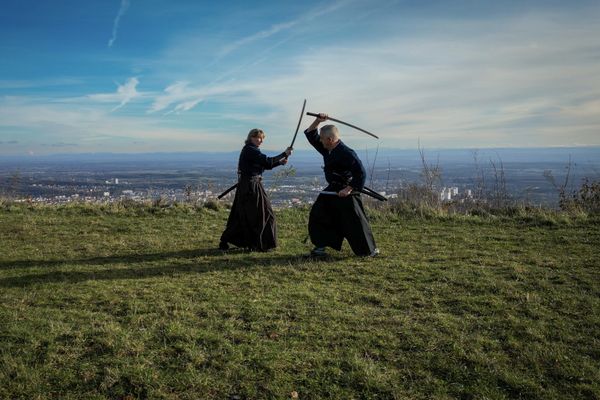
x,y
251,223
333,218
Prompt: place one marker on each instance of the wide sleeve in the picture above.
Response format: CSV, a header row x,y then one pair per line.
x,y
255,156
359,175
275,161
314,140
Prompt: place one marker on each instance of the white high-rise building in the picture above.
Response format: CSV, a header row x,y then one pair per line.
x,y
446,194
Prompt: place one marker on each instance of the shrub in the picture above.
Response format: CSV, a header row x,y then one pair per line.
x,y
586,198
212,205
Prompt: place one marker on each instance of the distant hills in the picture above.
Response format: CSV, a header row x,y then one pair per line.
x,y
396,157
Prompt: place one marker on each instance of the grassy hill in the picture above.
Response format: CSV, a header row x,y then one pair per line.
x,y
135,302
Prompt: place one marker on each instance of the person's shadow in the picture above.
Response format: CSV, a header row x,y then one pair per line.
x,y
114,259
133,266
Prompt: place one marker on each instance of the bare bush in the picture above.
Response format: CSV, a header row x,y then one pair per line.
x,y
564,202
500,197
584,199
432,179
479,190
187,190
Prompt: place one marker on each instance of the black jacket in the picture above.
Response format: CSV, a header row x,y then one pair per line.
x,y
253,162
342,165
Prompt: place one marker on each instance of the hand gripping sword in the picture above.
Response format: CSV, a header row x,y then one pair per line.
x,y
345,123
292,145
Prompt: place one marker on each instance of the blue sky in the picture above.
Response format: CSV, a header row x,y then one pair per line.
x,y
147,76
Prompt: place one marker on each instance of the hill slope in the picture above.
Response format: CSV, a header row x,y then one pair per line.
x,y
137,303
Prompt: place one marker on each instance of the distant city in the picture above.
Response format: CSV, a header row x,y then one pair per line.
x,y
526,175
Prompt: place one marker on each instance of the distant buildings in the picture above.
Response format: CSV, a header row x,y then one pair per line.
x,y
452,194
298,192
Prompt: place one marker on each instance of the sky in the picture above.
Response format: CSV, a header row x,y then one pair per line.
x,y
130,76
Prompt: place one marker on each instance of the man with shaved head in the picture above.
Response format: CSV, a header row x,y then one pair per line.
x,y
340,216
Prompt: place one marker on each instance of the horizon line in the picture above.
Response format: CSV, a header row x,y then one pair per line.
x,y
305,150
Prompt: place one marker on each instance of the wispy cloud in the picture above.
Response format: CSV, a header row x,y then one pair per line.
x,y
85,128
446,86
451,80
184,97
280,27
125,93
187,105
122,10
173,93
257,36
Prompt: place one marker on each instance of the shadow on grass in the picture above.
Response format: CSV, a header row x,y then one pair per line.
x,y
115,259
217,261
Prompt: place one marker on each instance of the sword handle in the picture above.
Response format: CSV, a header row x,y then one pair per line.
x,y
317,115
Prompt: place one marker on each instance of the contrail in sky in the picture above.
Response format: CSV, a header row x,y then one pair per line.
x,y
283,26
122,10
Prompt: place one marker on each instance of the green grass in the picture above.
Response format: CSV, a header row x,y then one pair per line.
x,y
112,302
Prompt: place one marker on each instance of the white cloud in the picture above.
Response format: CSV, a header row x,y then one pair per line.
x,y
454,88
185,97
173,93
125,93
533,80
187,105
122,9
90,129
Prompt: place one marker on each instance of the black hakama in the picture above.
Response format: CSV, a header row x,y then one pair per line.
x,y
251,223
334,218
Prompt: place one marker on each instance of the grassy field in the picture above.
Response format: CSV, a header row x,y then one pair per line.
x,y
138,303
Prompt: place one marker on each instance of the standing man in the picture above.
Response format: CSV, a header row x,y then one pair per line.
x,y
335,217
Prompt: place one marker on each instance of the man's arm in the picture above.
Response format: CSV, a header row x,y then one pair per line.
x,y
312,134
359,175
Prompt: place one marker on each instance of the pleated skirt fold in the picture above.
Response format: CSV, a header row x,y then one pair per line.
x,y
251,223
